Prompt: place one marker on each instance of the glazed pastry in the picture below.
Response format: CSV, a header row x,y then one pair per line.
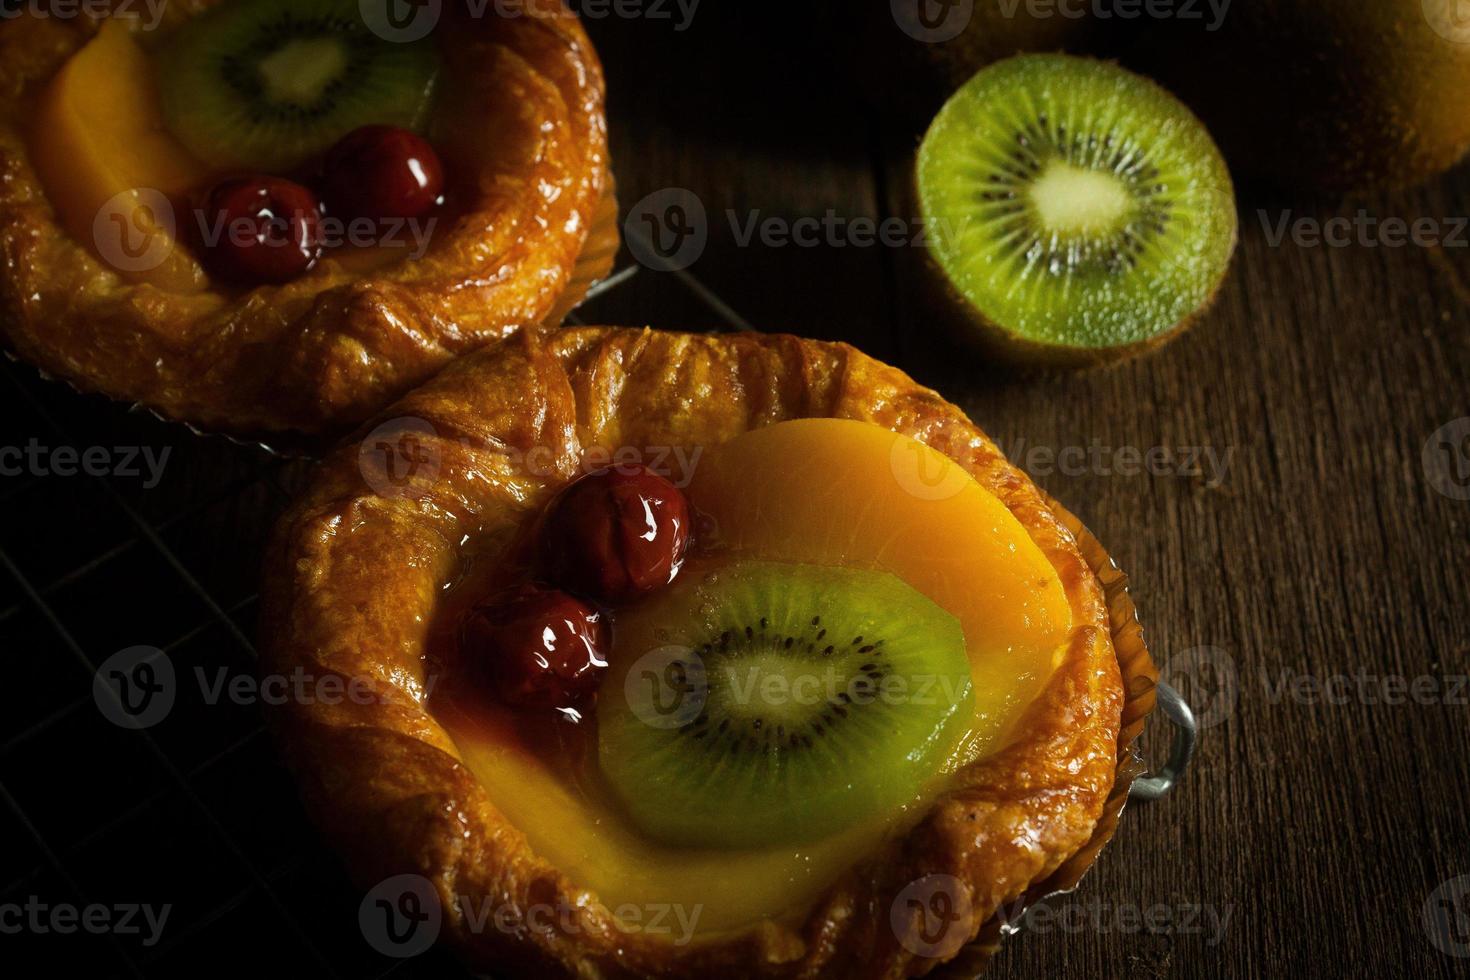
x,y
575,507
104,126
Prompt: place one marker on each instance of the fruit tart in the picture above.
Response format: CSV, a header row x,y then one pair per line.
x,y
691,656
275,216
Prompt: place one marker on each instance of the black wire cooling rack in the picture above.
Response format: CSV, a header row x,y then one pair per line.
x,y
193,813
112,552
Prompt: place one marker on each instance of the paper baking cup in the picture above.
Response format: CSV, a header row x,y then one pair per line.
x,y
1140,684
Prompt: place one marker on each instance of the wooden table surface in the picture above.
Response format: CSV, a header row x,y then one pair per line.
x,y
1292,538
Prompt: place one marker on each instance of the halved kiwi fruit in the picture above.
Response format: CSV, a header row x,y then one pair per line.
x,y
1080,212
762,703
267,84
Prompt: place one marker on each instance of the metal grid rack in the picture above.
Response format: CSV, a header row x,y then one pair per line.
x,y
194,812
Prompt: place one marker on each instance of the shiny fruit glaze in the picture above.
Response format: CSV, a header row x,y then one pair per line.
x,y
261,229
536,648
379,172
616,535
829,491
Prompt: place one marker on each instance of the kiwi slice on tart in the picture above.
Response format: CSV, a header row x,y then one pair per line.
x,y
1079,212
765,702
267,84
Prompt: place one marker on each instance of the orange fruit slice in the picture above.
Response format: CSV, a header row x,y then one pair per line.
x,y
109,166
842,492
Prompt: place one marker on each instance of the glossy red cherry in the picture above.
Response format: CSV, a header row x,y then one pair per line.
x,y
382,172
537,647
616,535
261,229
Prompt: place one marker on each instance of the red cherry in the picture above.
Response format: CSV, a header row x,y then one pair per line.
x,y
537,647
262,229
616,535
382,172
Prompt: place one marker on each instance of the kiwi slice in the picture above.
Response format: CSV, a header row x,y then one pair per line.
x,y
267,84
766,703
1080,212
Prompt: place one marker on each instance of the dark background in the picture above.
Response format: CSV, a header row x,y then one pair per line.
x,y
1321,830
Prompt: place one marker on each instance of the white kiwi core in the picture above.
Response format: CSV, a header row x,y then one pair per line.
x,y
1072,200
299,71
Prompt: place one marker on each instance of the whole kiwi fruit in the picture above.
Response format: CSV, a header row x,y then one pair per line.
x,y
1332,95
910,55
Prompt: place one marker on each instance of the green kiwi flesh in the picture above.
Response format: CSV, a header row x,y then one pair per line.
x,y
268,84
1079,211
817,698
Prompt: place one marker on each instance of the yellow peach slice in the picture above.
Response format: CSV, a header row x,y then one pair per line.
x,y
842,492
579,830
110,167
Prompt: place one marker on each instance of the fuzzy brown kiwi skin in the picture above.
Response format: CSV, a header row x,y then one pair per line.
x,y
947,306
914,77
1324,95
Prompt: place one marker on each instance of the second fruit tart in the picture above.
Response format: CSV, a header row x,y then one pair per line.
x,y
373,204
584,580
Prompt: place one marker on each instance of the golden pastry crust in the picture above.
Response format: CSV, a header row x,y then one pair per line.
x,y
354,576
520,124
